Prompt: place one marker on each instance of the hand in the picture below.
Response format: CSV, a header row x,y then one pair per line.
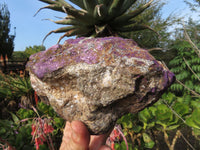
x,y
77,137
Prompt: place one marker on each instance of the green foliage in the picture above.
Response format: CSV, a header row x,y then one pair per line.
x,y
23,55
17,132
152,17
194,119
184,65
33,49
170,114
46,109
97,18
194,122
122,146
146,116
149,143
25,113
194,5
13,87
126,121
165,117
6,40
19,56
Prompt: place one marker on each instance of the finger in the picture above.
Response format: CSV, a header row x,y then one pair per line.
x,y
80,135
96,141
76,136
66,136
104,147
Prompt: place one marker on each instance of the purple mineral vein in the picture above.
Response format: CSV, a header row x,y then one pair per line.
x,y
83,50
54,47
74,41
168,77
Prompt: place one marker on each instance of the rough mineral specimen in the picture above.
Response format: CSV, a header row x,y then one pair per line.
x,y
97,80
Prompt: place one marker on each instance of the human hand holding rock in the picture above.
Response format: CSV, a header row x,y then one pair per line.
x,y
77,137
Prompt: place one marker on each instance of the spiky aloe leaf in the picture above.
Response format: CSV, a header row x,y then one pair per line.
x,y
64,2
60,30
68,21
55,5
97,17
134,13
137,27
78,3
48,1
121,24
115,7
90,5
52,6
105,2
100,12
72,31
126,5
64,7
76,31
80,15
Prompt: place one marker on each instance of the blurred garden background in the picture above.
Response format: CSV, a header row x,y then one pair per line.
x,y
173,123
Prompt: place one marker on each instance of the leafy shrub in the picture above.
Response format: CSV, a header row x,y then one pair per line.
x,y
186,66
12,87
169,115
17,132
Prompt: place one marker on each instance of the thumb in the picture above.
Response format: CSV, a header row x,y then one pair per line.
x,y
76,136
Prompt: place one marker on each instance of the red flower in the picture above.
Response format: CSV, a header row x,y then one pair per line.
x,y
40,130
42,137
48,128
33,129
112,146
38,142
117,134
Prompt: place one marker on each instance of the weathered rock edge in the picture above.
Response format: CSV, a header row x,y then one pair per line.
x,y
98,80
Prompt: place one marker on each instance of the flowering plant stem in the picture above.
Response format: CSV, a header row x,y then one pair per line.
x,y
121,133
41,130
10,147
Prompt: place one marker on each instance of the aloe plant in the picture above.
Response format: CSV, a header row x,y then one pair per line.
x,y
14,87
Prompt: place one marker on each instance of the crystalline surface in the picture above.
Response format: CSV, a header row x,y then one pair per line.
x,y
97,80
